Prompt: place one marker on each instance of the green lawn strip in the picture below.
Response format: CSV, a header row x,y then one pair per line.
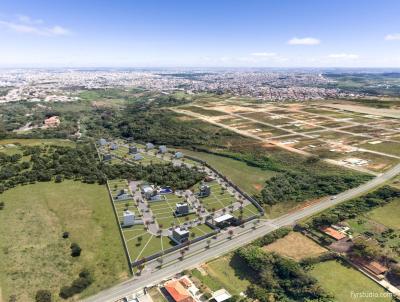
x,y
340,281
384,147
81,209
152,246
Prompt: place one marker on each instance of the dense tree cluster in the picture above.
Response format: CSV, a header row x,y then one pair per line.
x,y
81,163
356,206
300,186
176,177
279,279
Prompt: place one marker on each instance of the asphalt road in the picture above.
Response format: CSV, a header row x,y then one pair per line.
x,y
203,251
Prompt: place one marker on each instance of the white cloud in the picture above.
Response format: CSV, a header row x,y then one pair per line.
x,y
263,54
304,41
343,56
26,25
392,37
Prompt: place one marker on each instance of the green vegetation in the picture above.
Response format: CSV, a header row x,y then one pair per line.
x,y
354,207
341,281
33,257
234,169
278,278
387,215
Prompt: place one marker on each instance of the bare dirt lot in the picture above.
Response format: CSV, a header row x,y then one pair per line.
x,y
295,246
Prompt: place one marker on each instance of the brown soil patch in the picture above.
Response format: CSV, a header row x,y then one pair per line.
x,y
258,187
295,246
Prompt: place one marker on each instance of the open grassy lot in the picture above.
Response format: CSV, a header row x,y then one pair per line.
x,y
387,215
218,198
235,170
384,147
227,272
246,212
35,142
340,281
163,211
295,246
33,254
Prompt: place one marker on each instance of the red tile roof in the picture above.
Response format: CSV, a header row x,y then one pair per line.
x,y
177,291
333,233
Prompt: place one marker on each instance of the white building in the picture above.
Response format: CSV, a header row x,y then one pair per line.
x,y
129,218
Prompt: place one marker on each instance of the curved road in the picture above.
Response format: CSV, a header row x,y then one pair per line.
x,y
205,250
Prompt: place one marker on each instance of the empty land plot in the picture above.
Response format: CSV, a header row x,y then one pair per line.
x,y
267,118
229,272
218,198
202,111
376,162
384,147
387,215
295,246
235,169
246,212
340,281
364,130
33,258
163,212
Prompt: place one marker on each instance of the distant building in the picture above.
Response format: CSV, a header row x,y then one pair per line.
x,y
129,218
205,191
147,190
182,209
162,149
102,142
107,157
113,146
209,178
156,197
149,146
179,235
133,150
137,157
178,155
52,122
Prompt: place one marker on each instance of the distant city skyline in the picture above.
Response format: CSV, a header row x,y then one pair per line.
x,y
177,33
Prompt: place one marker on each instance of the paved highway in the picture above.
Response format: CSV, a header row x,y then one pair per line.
x,y
204,251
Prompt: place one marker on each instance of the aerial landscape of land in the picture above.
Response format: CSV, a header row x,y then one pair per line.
x,y
199,151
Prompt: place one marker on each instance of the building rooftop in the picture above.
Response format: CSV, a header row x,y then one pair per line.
x,y
333,233
177,291
223,218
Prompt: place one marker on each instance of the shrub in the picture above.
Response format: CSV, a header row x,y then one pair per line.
x,y
75,250
43,296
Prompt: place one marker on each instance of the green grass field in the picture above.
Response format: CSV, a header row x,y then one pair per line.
x,y
236,170
34,256
384,147
340,281
227,272
218,199
387,215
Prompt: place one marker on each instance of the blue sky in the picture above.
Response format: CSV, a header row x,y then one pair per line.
x,y
201,33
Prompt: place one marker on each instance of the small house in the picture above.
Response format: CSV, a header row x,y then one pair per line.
x,y
123,195
162,149
182,209
178,155
221,295
113,146
179,235
107,157
224,220
133,150
149,146
129,218
205,191
102,142
137,157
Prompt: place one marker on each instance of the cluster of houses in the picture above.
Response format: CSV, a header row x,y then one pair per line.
x,y
134,151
